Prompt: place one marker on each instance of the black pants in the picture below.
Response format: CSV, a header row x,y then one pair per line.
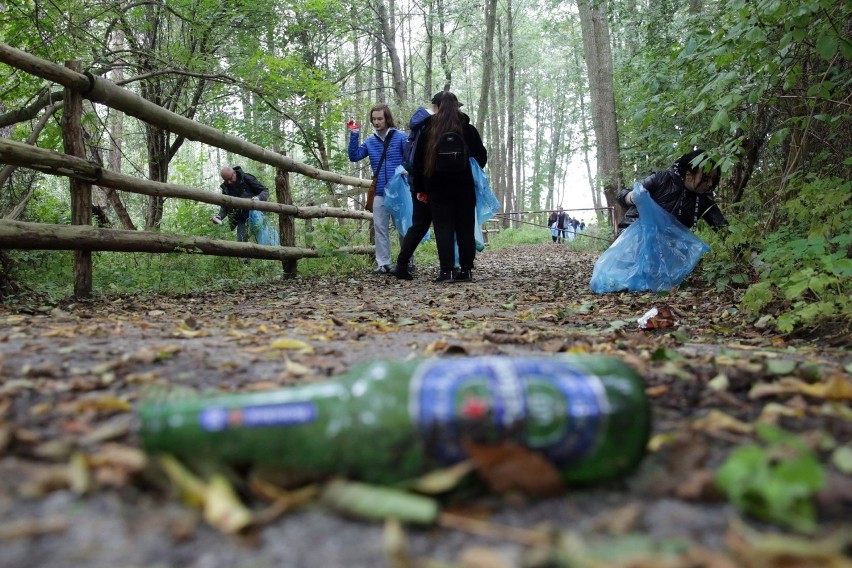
x,y
421,218
454,218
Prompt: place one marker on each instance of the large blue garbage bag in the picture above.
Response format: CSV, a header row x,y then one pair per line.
x,y
260,227
654,254
399,202
487,204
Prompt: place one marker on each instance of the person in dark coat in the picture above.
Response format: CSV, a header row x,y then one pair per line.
x,y
451,194
238,183
421,218
685,190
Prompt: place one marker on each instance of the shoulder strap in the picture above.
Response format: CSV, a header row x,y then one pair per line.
x,y
384,151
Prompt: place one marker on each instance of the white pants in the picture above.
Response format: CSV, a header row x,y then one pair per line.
x,y
381,230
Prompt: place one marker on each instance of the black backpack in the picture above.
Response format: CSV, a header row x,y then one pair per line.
x,y
452,153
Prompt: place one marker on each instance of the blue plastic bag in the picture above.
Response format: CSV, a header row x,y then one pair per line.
x,y
398,201
655,253
487,204
262,230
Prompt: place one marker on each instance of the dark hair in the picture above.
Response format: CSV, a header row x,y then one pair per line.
x,y
446,119
695,161
388,114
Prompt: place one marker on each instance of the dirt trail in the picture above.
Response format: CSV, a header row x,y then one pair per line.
x,y
70,375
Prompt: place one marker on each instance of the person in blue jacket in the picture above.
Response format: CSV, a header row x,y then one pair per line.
x,y
374,146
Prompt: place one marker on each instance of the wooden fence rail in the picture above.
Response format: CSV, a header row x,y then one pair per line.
x,y
82,238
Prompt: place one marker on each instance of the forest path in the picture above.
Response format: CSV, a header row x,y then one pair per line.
x,y
70,375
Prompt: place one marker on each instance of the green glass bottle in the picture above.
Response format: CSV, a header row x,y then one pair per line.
x,y
386,421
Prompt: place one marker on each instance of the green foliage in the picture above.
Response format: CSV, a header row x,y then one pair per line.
x,y
804,264
776,481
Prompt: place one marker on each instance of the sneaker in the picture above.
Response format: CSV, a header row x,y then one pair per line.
x,y
411,267
384,269
463,276
445,276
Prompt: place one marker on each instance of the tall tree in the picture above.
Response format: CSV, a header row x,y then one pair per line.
x,y
487,62
596,44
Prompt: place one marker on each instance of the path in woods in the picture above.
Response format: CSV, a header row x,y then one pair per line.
x,y
75,490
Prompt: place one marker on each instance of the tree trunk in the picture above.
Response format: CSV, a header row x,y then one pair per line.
x,y
602,92
509,109
487,62
429,21
445,59
7,171
389,41
81,191
286,224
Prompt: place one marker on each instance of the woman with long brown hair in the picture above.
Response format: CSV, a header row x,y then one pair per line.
x,y
442,170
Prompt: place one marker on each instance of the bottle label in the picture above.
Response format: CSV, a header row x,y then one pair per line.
x,y
220,418
547,405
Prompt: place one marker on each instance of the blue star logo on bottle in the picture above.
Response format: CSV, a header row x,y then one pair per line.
x,y
546,404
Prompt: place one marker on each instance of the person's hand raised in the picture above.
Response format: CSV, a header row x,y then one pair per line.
x,y
353,126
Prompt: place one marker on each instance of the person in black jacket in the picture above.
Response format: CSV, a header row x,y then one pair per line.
x,y
685,190
451,193
238,183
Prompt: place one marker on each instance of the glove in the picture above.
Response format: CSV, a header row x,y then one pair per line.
x,y
216,220
255,198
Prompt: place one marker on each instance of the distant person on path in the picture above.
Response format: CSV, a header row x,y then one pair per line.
x,y
238,183
685,190
562,224
442,170
384,149
421,217
552,223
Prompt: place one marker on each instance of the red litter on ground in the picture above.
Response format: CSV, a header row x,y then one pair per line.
x,y
657,318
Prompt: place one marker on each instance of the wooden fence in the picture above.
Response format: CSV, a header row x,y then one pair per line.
x,y
83,238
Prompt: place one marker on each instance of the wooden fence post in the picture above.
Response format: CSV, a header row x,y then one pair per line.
x,y
286,223
81,191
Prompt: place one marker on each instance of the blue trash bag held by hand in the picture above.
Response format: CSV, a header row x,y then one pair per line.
x,y
655,253
398,201
255,225
486,202
262,230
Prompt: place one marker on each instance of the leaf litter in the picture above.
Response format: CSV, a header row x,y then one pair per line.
x,y
70,461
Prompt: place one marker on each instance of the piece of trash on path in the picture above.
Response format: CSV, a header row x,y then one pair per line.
x,y
658,318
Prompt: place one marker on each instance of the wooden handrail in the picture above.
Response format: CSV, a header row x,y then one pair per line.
x,y
106,92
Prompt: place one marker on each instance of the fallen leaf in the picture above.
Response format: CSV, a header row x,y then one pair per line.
x,y
289,344
718,421
509,467
191,489
443,480
223,509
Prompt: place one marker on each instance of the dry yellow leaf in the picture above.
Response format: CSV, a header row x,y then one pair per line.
x,y
191,489
223,509
773,411
718,421
290,344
